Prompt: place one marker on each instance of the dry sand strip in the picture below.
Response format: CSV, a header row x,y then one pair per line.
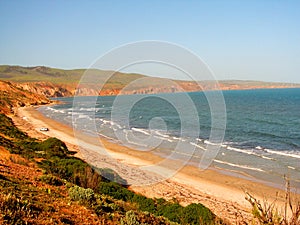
x,y
223,194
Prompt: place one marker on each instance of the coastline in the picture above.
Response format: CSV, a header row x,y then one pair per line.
x,y
223,194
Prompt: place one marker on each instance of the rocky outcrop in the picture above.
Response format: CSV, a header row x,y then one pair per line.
x,y
60,90
47,89
12,96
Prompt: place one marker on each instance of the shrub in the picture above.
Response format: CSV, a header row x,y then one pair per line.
x,y
130,219
27,148
115,190
73,170
197,214
268,213
7,127
64,168
53,147
171,211
144,204
80,194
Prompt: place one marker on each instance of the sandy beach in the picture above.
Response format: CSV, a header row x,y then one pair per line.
x,y
223,194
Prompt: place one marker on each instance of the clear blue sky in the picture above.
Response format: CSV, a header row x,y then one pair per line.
x,y
248,40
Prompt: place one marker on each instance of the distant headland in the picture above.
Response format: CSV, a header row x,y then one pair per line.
x,y
53,82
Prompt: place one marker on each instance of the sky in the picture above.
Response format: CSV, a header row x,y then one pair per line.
x,y
245,40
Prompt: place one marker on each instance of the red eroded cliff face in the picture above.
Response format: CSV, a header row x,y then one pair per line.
x,y
12,96
49,89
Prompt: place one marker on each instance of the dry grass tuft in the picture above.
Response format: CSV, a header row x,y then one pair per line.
x,y
269,213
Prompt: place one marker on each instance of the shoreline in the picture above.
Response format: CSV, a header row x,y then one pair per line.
x,y
222,193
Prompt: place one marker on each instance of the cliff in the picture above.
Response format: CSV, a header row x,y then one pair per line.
x,y
47,89
12,96
51,82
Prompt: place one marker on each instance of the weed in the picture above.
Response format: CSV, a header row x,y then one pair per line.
x,y
16,210
80,194
130,219
268,213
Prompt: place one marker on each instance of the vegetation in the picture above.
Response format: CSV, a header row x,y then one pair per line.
x,y
60,76
269,213
17,211
83,195
62,179
52,180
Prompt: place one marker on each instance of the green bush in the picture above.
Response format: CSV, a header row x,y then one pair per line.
x,y
13,139
195,214
80,194
29,148
8,128
73,170
53,147
26,148
192,214
130,219
144,204
115,190
172,211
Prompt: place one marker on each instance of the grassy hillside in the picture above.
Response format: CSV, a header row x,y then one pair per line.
x,y
58,76
49,78
42,183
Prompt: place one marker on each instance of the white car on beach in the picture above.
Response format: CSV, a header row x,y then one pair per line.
x,y
44,129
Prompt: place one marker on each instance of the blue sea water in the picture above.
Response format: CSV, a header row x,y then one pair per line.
x,y
262,136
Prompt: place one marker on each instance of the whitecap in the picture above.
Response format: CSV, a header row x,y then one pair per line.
x,y
140,130
239,166
283,153
240,150
198,146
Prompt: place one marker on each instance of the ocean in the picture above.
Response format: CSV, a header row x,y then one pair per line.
x,y
262,136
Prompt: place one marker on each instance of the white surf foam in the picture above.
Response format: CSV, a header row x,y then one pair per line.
x,y
239,166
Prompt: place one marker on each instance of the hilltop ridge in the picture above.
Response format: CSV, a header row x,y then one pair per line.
x,y
53,82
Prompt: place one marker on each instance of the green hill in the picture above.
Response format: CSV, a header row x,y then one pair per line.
x,y
57,76
53,82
